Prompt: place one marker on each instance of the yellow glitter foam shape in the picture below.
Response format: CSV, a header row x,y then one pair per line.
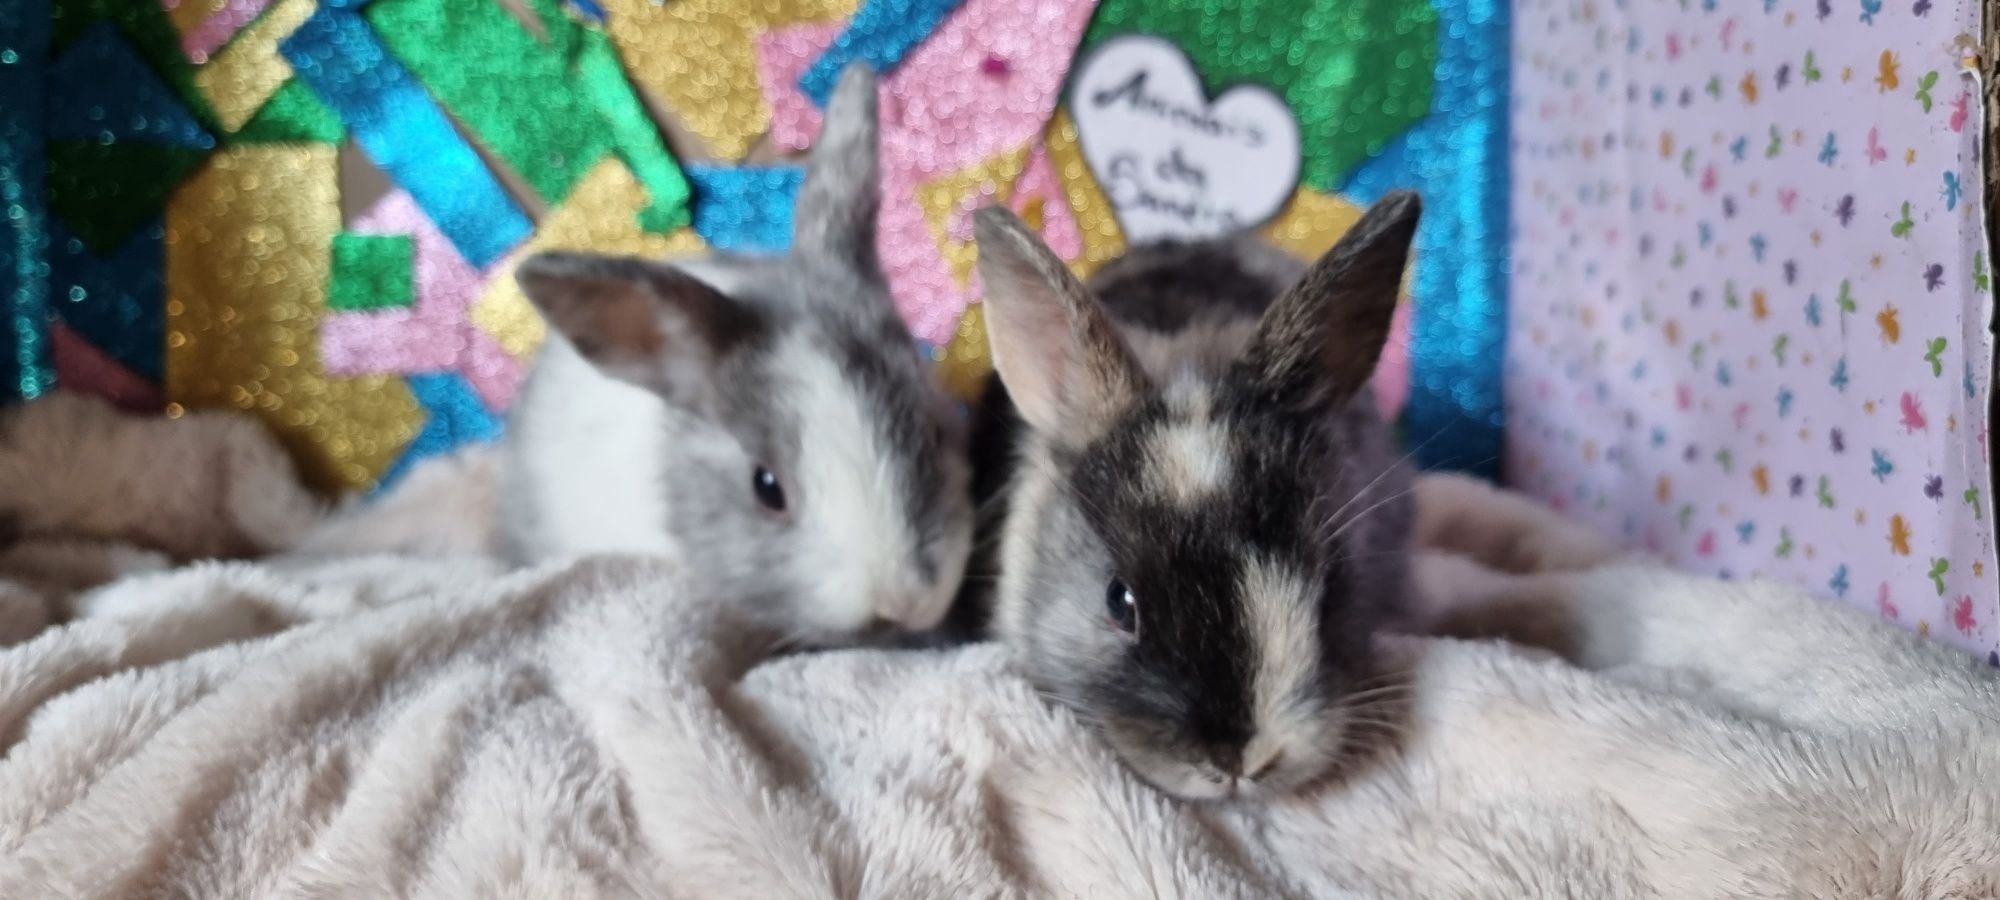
x,y
964,362
941,200
241,78
699,57
249,241
600,215
1311,223
1103,239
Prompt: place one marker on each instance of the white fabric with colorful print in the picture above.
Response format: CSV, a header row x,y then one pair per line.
x,y
1750,294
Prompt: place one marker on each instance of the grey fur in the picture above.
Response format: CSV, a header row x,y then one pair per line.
x,y
731,366
1245,487
834,215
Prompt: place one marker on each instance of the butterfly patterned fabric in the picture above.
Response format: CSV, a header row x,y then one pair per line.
x,y
1750,298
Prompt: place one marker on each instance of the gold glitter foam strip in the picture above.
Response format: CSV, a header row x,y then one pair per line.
x,y
965,361
940,199
1311,223
1103,239
249,70
600,215
249,240
699,57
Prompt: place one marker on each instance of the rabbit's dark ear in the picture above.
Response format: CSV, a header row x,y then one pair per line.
x,y
1319,343
646,323
835,213
1063,362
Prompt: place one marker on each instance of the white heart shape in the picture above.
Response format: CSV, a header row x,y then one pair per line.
x,y
1174,164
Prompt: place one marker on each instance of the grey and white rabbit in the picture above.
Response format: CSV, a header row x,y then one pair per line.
x,y
1209,522
768,418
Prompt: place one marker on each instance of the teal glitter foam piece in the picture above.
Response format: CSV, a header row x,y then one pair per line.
x,y
26,367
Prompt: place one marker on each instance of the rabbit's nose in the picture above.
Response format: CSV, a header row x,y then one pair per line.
x,y
1227,759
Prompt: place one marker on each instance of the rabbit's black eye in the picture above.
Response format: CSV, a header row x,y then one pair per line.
x,y
769,491
1122,605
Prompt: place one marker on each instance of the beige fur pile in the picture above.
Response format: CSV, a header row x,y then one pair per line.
x,y
314,726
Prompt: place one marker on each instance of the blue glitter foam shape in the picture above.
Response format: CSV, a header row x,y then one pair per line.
x,y
114,303
405,133
454,417
745,209
881,33
1457,158
26,369
100,90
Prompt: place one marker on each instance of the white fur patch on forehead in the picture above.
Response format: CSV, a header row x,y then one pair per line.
x,y
1280,604
1187,460
1187,396
857,545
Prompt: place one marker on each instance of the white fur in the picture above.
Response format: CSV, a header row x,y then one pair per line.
x,y
587,451
857,544
1279,601
1187,460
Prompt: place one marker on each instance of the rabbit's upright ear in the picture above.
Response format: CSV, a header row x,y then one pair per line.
x,y
646,323
835,213
1319,343
1064,363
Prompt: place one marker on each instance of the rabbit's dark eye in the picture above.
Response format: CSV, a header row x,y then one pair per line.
x,y
1122,605
769,491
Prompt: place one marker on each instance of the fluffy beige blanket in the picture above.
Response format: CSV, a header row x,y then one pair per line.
x,y
387,727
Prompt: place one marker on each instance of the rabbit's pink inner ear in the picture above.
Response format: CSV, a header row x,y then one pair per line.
x,y
653,325
1392,372
613,322
1064,363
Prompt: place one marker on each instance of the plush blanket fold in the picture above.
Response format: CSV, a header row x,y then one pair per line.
x,y
388,727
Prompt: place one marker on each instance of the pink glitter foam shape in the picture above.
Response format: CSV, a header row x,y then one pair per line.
x,y
215,30
783,54
434,334
984,83
1039,181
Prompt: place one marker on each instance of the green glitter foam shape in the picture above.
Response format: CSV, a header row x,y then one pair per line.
x,y
371,271
293,115
550,110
